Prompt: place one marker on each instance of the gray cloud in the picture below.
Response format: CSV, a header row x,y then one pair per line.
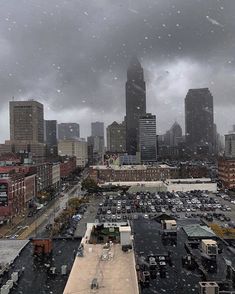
x,y
72,56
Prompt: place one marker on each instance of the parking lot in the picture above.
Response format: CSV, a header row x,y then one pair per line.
x,y
194,204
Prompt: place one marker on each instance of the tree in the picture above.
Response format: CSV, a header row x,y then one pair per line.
x,y
89,184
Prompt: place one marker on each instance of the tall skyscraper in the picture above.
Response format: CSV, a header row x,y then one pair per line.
x,y
199,120
116,137
97,129
175,134
147,138
135,104
68,131
26,121
51,132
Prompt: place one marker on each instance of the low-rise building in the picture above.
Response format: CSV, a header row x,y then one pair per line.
x,y
129,173
67,166
185,185
226,172
73,147
12,194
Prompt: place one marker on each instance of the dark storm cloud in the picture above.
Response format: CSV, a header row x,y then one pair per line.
x,y
72,55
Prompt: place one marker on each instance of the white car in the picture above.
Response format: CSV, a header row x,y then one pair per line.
x,y
108,211
146,216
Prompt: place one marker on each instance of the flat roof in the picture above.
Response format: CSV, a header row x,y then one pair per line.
x,y
115,276
130,167
10,249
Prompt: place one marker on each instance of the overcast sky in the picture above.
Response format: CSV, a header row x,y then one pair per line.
x,y
72,55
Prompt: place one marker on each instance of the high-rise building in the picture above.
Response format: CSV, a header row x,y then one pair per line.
x,y
147,138
97,129
68,131
95,149
199,120
27,130
135,104
51,132
116,137
175,134
26,121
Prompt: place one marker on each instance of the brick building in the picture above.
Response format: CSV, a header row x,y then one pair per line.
x,y
12,194
131,173
226,172
67,166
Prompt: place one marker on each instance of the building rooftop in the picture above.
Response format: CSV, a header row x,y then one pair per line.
x,y
172,276
129,167
115,276
198,231
34,273
10,249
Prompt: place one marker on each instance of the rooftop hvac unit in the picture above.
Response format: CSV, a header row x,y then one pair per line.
x,y
64,270
15,276
209,247
10,284
5,289
208,288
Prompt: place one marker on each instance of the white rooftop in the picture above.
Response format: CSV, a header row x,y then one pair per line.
x,y
10,249
129,167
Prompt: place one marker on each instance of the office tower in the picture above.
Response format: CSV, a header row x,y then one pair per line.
x,y
51,132
199,120
95,149
68,131
147,138
175,135
135,104
26,121
116,137
97,129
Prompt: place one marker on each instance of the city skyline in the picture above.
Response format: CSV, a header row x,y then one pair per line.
x,y
180,45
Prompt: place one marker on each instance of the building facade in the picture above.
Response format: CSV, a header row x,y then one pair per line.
x,y
147,138
230,146
26,121
116,137
199,121
129,173
12,195
77,148
68,131
135,104
226,172
51,133
97,129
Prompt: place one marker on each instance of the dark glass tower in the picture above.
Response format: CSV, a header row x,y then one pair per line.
x,y
199,120
135,104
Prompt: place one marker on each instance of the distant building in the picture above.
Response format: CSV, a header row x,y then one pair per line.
x,y
230,146
27,129
199,121
68,131
226,164
51,133
129,173
226,172
26,121
97,129
116,137
77,148
135,104
147,138
95,149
